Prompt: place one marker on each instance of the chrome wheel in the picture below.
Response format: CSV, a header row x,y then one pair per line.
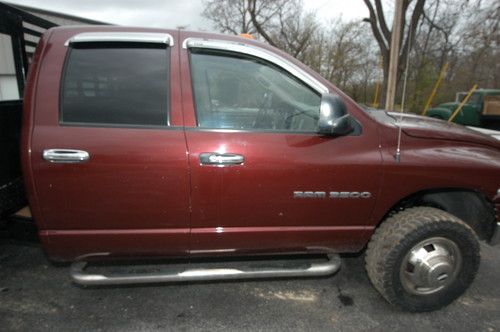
x,y
430,266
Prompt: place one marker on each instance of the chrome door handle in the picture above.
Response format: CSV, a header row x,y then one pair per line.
x,y
212,158
65,155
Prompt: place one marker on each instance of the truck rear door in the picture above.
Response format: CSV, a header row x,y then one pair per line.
x,y
108,151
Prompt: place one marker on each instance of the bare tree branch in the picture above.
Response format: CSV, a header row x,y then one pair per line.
x,y
381,19
253,16
376,32
410,36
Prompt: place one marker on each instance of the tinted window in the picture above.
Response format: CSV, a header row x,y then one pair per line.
x,y
116,85
244,93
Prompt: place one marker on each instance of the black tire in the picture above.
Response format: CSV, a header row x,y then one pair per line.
x,y
12,197
388,265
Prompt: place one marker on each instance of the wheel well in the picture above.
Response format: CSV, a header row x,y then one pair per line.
x,y
470,206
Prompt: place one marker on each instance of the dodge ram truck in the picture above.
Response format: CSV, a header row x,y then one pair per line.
x,y
144,143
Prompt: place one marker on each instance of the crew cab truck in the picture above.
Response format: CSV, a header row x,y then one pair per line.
x,y
481,110
141,143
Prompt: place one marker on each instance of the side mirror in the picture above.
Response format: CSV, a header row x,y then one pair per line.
x,y
333,117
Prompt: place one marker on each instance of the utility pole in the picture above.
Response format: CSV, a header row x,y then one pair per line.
x,y
394,55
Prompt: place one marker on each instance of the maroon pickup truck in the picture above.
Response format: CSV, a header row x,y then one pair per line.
x,y
143,143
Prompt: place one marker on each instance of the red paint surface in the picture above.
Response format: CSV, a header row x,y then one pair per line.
x,y
144,192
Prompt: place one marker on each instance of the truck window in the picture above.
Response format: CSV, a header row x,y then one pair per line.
x,y
239,92
9,89
115,84
475,98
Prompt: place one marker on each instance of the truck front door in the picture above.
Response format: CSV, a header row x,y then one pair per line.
x,y
261,178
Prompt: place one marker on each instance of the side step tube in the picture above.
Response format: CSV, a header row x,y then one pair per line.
x,y
80,277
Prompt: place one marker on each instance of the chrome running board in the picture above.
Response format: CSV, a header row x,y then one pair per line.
x,y
308,269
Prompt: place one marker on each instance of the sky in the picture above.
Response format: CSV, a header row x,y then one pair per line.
x,y
174,13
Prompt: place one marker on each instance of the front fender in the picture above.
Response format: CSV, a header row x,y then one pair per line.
x,y
439,113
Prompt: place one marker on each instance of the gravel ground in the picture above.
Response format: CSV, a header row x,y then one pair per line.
x,y
38,296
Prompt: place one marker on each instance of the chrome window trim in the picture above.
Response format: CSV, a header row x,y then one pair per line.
x,y
257,52
124,36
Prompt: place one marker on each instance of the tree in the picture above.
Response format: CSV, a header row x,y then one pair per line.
x,y
281,23
345,52
383,34
229,16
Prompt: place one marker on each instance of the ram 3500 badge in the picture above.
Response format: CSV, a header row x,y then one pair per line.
x,y
332,194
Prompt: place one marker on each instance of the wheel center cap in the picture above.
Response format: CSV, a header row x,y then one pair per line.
x,y
430,266
438,272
